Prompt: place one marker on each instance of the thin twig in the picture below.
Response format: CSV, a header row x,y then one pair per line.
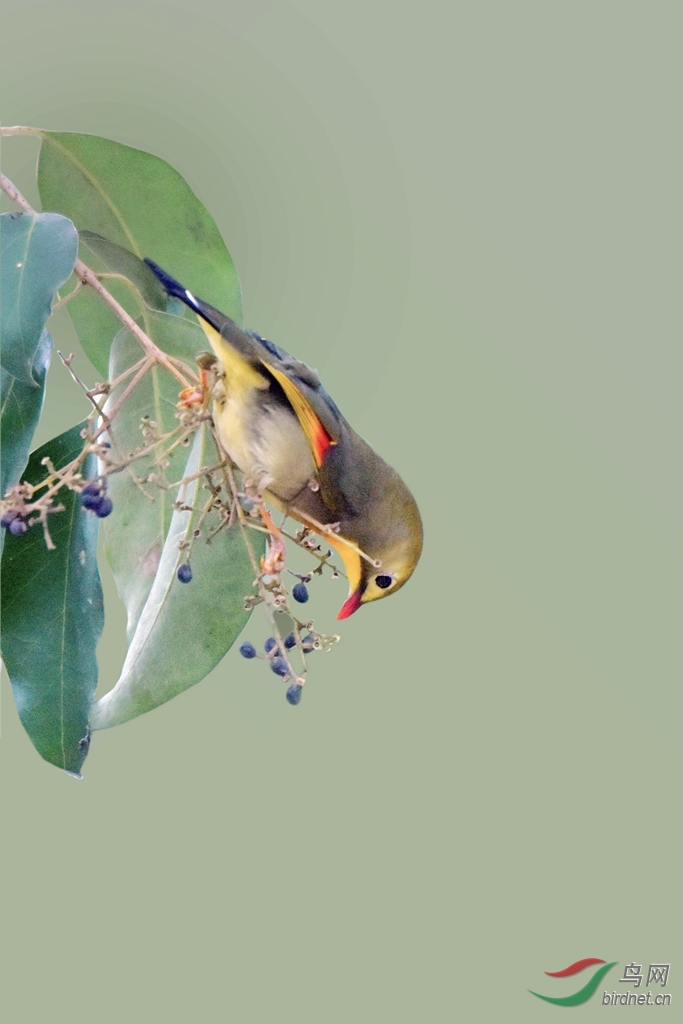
x,y
67,298
88,277
20,129
90,394
15,195
327,531
111,385
110,413
195,476
323,559
148,450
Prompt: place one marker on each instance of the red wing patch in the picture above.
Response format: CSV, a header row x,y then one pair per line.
x,y
320,442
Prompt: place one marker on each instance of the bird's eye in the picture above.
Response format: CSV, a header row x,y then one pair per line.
x,y
384,581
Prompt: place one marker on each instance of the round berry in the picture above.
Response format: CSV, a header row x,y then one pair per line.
x,y
293,694
91,501
279,666
300,593
290,641
17,527
104,508
308,643
269,644
8,519
184,573
91,491
248,650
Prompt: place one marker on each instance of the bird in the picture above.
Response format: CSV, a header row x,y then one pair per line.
x,y
284,432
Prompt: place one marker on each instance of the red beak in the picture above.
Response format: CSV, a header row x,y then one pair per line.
x,y
351,604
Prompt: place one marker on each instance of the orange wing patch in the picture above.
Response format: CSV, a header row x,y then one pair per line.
x,y
317,436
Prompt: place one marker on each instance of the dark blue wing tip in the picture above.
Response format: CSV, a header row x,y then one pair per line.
x,y
273,349
172,286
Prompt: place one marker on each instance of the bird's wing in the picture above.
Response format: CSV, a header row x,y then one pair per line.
x,y
320,430
319,417
246,354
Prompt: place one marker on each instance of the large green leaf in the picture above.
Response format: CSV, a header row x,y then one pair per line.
x,y
52,617
21,405
37,256
134,537
185,628
139,202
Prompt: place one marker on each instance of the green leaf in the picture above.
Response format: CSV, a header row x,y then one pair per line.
x,y
139,202
52,617
185,628
117,260
38,255
21,405
135,536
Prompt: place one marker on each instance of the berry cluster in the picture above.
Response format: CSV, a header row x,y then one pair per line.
x,y
278,664
94,498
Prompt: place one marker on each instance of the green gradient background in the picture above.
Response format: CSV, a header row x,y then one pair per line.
x,y
467,216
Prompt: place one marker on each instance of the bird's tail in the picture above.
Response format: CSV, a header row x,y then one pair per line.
x,y
225,337
173,287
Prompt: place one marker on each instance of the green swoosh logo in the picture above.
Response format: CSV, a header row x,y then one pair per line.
x,y
583,994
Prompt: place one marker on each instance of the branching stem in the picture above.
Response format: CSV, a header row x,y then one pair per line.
x,y
109,415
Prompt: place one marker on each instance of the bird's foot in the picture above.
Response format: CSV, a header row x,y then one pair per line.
x,y
191,398
194,397
274,560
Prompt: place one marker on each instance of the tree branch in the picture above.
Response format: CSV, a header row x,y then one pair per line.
x,y
87,276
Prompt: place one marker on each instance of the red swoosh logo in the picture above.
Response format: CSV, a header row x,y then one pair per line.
x,y
575,968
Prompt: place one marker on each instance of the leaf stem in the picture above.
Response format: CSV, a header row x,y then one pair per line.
x,y
20,129
67,298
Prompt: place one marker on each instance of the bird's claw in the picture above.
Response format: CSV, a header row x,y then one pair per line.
x,y
274,560
192,397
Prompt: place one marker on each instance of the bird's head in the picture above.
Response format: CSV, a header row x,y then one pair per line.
x,y
394,542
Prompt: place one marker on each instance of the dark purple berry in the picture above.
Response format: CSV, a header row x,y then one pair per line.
x,y
91,491
279,666
293,694
8,519
17,527
290,641
300,593
91,501
248,650
308,643
184,573
104,508
269,644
